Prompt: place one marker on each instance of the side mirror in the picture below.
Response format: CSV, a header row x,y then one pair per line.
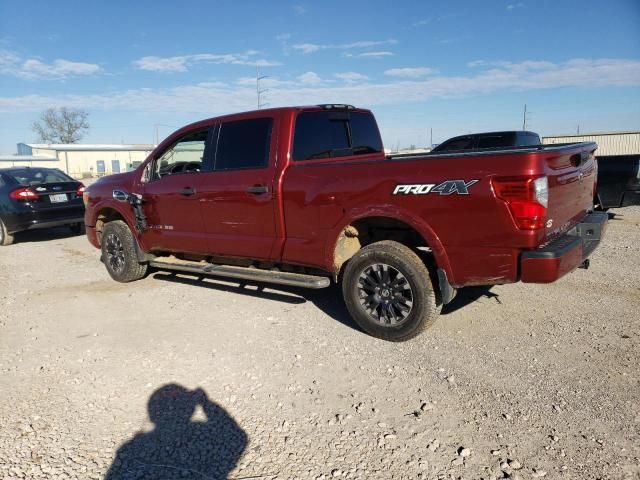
x,y
146,173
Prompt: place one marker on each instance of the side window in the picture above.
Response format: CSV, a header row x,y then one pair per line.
x,y
318,135
244,144
185,156
334,134
364,134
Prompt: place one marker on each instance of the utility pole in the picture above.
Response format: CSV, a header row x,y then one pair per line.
x,y
524,117
431,138
260,91
578,132
156,132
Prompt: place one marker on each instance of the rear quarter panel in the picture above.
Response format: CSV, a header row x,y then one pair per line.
x,y
472,236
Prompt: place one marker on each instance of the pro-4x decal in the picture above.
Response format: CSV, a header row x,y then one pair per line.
x,y
461,187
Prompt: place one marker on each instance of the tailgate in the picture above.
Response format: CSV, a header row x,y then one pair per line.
x,y
572,174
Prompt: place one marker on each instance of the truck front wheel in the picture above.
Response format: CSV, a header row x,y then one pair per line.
x,y
119,253
388,291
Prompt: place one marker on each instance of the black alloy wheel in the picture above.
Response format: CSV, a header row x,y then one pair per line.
x,y
385,293
388,291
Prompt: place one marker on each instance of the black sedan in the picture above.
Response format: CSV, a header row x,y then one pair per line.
x,y
38,198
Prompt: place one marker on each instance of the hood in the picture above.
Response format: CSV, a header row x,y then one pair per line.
x,y
119,180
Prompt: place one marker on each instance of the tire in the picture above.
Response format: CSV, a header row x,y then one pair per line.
x,y
389,272
5,238
77,228
119,253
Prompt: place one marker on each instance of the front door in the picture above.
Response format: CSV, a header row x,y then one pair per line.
x,y
236,198
172,196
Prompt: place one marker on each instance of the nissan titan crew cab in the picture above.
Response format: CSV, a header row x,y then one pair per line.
x,y
305,196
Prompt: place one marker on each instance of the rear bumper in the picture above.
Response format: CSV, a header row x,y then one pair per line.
x,y
19,223
565,254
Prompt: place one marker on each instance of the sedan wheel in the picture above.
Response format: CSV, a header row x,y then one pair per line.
x,y
5,237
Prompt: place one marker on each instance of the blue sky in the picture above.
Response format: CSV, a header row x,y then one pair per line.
x,y
451,66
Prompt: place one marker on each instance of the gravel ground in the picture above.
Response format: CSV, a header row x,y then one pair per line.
x,y
171,377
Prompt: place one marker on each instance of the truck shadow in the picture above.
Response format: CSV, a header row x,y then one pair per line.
x,y
44,235
329,300
179,446
467,296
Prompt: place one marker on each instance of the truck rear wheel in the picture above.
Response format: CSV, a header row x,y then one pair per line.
x,y
119,253
388,291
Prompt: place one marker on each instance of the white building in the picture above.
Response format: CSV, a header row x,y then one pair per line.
x,y
609,143
80,160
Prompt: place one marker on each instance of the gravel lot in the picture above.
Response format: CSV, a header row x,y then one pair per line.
x,y
172,377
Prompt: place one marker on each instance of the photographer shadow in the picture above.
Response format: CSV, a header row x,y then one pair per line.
x,y
178,446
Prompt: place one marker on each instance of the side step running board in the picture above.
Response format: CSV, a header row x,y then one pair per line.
x,y
242,273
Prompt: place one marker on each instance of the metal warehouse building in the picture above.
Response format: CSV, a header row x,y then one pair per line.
x,y
79,160
609,143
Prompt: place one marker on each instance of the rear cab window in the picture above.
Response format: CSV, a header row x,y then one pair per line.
x,y
322,134
496,141
528,139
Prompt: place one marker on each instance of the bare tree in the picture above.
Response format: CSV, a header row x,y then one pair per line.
x,y
61,125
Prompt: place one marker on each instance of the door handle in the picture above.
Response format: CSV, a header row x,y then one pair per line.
x,y
187,191
258,189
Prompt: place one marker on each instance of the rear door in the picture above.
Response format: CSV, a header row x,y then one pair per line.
x,y
172,195
237,197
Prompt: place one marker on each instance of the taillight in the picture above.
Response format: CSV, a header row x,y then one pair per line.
x,y
25,194
595,176
80,190
526,197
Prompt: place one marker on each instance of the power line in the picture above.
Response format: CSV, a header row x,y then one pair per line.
x,y
156,133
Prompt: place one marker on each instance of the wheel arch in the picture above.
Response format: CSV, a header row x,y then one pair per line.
x,y
106,214
349,235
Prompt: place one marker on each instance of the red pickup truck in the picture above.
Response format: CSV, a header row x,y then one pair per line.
x,y
305,196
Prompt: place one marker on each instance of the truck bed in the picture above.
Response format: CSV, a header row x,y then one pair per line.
x,y
322,198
